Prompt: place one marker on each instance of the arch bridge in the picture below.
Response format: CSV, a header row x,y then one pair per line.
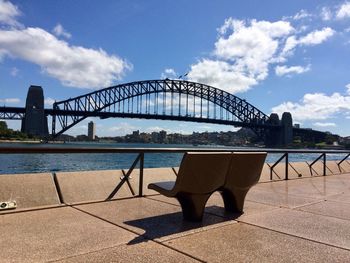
x,y
160,99
154,99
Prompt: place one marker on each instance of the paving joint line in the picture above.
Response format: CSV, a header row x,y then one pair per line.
x,y
87,253
304,205
292,235
319,214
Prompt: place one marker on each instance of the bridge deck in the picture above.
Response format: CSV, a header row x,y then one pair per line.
x,y
302,220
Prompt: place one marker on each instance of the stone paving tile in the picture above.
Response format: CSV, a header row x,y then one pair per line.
x,y
329,208
343,197
345,178
245,243
52,234
88,186
143,252
317,187
28,190
274,198
324,229
153,219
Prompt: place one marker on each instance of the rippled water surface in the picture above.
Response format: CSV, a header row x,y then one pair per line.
x,y
34,163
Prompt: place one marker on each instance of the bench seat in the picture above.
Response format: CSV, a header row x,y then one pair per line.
x,y
202,174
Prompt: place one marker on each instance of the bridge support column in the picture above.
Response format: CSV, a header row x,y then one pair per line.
x,y
282,133
273,138
35,121
287,129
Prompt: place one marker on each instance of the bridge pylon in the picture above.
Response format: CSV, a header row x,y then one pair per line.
x,y
281,135
35,120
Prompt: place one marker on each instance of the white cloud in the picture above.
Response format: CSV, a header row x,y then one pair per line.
x,y
157,129
169,73
313,38
8,13
316,106
60,31
245,50
10,101
324,124
49,101
326,14
221,75
348,88
301,15
343,11
316,37
74,66
242,54
14,72
256,41
284,70
122,128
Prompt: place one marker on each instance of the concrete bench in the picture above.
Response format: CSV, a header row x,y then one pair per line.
x,y
244,172
201,174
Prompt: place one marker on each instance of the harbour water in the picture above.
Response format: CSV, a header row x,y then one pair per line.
x,y
35,163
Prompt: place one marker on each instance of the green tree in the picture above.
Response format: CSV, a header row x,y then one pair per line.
x,y
3,126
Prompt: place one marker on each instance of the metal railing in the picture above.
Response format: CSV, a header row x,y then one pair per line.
x,y
142,151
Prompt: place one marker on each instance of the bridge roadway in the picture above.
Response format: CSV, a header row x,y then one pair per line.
x,y
17,113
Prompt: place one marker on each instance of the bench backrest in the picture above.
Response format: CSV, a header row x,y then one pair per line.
x,y
202,172
245,169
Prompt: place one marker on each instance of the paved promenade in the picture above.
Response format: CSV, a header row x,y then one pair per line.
x,y
300,220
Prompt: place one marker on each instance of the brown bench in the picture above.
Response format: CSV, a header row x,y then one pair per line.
x,y
201,174
244,172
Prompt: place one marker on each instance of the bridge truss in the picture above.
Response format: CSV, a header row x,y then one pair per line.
x,y
159,99
11,113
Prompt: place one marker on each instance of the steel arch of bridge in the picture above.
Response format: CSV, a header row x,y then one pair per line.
x,y
159,99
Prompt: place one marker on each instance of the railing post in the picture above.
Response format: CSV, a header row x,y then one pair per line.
x,y
142,158
285,155
287,162
125,177
323,155
271,171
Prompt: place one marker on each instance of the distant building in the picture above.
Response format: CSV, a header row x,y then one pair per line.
x,y
155,137
297,125
91,131
136,134
162,136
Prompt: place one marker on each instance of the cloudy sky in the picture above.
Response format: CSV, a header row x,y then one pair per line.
x,y
278,55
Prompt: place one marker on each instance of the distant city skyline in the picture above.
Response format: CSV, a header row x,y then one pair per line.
x,y
278,55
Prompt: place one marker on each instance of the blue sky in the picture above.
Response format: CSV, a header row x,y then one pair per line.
x,y
278,55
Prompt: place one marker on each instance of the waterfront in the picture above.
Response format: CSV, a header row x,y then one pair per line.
x,y
35,163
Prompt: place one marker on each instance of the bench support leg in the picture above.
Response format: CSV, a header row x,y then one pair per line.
x,y
192,205
234,199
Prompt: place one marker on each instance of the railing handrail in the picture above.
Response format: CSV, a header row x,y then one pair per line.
x,y
40,149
